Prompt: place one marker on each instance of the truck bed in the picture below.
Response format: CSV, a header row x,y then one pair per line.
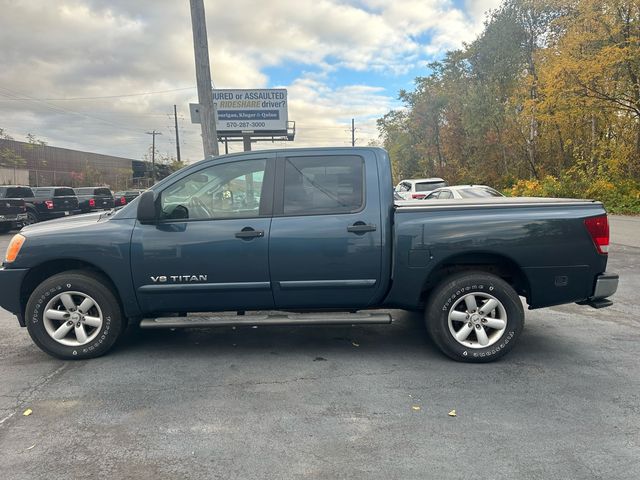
x,y
541,241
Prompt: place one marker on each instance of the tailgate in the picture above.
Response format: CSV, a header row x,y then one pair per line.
x,y
10,207
65,203
103,201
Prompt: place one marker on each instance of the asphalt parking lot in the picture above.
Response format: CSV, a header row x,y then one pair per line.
x,y
335,402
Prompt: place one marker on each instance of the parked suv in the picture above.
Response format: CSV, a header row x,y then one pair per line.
x,y
417,189
12,210
94,198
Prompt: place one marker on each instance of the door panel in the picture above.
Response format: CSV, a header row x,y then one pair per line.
x,y
209,249
326,241
236,269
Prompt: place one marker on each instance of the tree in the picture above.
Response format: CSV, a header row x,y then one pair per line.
x,y
549,89
9,157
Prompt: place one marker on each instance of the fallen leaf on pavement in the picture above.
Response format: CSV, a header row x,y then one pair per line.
x,y
453,413
415,408
27,412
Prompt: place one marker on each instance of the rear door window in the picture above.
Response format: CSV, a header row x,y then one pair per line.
x,y
43,192
103,191
323,185
15,192
64,192
403,187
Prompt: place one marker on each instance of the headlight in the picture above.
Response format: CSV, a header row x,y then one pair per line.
x,y
14,248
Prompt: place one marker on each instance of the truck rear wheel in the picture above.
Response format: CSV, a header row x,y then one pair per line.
x,y
74,315
474,317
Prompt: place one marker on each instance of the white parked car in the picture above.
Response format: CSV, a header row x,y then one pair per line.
x,y
463,191
418,188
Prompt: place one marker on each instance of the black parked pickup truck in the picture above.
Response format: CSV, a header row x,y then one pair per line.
x,y
43,203
54,202
13,212
304,230
94,198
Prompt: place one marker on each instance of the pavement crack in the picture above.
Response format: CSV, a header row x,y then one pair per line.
x,y
26,394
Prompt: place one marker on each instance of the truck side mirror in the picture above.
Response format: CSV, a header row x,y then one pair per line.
x,y
147,208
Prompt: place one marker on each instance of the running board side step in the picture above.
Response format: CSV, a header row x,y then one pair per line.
x,y
269,319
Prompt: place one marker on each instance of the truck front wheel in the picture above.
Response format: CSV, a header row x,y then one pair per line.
x,y
74,315
474,317
32,217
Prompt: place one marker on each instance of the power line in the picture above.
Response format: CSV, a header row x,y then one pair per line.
x,y
109,96
13,93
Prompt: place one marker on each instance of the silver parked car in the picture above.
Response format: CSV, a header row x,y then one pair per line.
x,y
463,191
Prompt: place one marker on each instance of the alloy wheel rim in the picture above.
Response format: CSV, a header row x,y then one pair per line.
x,y
477,320
72,318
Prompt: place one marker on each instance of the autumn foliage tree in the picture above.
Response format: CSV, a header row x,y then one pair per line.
x,y
546,101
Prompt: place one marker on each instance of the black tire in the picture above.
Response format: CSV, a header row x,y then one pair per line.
x,y
5,227
32,217
82,282
450,295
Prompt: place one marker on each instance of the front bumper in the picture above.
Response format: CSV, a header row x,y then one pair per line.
x,y
10,283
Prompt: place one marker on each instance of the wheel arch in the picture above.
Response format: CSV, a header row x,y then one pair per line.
x,y
38,274
489,262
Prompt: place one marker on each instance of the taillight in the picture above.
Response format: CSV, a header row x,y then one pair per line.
x,y
123,201
92,202
598,228
49,204
418,196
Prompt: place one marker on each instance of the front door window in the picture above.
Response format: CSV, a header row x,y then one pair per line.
x,y
229,190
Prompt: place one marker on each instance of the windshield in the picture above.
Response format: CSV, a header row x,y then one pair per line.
x,y
479,192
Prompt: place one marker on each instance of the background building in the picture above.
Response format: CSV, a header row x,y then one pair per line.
x,y
37,164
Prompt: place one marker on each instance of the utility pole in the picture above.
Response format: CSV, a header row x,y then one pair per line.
x,y
153,133
353,132
175,118
203,79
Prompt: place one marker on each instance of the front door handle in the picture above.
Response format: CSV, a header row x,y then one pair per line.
x,y
247,233
361,227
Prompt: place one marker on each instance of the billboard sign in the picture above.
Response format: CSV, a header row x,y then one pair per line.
x,y
262,111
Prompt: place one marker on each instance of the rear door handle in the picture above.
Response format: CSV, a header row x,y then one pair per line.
x,y
361,227
248,233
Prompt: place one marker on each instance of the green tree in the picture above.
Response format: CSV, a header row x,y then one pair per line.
x,y
9,157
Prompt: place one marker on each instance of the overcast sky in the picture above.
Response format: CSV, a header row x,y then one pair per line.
x,y
338,60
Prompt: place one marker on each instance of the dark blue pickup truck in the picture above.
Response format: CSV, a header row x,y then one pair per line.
x,y
315,235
